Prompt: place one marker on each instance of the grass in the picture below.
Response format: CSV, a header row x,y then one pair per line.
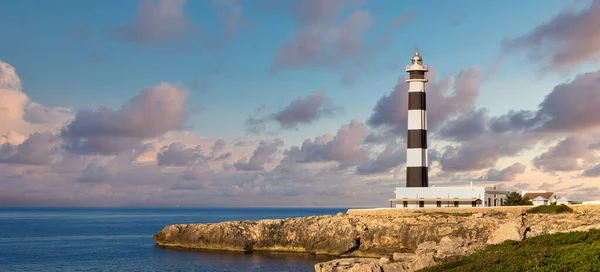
x,y
573,251
552,209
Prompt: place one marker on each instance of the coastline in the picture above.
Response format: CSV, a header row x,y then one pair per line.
x,y
373,232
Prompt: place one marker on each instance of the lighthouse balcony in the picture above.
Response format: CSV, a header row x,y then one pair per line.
x,y
417,67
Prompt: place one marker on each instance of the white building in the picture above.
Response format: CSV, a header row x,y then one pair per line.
x,y
539,201
563,200
431,197
540,197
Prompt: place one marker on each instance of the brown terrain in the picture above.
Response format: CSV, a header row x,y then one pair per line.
x,y
392,239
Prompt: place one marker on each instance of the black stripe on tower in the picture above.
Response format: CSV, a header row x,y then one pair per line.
x,y
416,101
417,74
417,177
417,138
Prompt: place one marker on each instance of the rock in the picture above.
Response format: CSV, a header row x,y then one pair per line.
x,y
340,214
399,257
422,261
449,246
426,248
384,260
377,233
359,265
506,231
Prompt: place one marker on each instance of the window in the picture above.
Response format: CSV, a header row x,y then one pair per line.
x,y
439,203
421,204
455,203
474,203
495,202
405,204
501,201
489,201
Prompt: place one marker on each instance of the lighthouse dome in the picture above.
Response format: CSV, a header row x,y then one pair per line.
x,y
417,59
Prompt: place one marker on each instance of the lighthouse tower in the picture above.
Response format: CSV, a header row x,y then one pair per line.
x,y
416,155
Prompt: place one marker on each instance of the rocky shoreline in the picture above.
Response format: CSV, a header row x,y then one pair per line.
x,y
395,239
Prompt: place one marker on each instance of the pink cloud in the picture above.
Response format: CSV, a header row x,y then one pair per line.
x,y
157,22
152,113
565,42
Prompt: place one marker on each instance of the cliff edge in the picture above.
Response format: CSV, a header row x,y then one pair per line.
x,y
376,233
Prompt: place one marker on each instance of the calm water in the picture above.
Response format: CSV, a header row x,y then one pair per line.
x,y
120,239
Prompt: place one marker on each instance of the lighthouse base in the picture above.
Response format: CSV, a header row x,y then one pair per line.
x,y
435,197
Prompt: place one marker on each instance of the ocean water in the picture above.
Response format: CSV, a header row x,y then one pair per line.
x,y
120,239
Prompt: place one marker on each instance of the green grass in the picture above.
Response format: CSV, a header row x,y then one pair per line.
x,y
573,251
550,209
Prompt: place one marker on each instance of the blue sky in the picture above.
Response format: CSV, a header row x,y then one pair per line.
x,y
66,56
78,55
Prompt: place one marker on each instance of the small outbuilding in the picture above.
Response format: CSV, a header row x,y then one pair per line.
x,y
539,201
563,201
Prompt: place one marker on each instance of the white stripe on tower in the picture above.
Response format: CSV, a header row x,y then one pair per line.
x,y
416,155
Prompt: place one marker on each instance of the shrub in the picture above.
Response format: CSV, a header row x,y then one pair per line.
x,y
550,209
573,251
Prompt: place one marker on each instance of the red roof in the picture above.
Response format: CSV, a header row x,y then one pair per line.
x,y
546,195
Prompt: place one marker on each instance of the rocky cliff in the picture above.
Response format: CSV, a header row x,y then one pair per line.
x,y
377,233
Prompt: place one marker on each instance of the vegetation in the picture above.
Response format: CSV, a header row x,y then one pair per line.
x,y
515,199
573,251
550,209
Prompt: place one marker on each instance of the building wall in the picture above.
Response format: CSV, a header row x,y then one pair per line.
x,y
489,196
441,192
512,210
494,198
434,204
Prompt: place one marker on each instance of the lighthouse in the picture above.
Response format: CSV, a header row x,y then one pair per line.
x,y
416,153
417,193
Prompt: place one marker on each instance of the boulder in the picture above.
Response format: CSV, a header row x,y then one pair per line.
x,y
360,265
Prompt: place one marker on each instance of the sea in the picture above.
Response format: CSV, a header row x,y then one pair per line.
x,y
120,239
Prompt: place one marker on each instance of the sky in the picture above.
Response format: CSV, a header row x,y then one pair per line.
x,y
291,103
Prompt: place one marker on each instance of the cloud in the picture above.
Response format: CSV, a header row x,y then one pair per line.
x,y
570,154
231,18
262,155
569,107
9,80
164,23
152,113
161,21
565,42
321,39
176,154
592,172
98,171
345,147
218,146
507,174
572,106
391,157
303,110
35,113
391,110
20,115
466,126
41,148
484,151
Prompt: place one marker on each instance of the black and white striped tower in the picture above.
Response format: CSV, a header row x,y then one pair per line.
x,y
416,155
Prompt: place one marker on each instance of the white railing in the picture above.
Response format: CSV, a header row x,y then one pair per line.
x,y
417,67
